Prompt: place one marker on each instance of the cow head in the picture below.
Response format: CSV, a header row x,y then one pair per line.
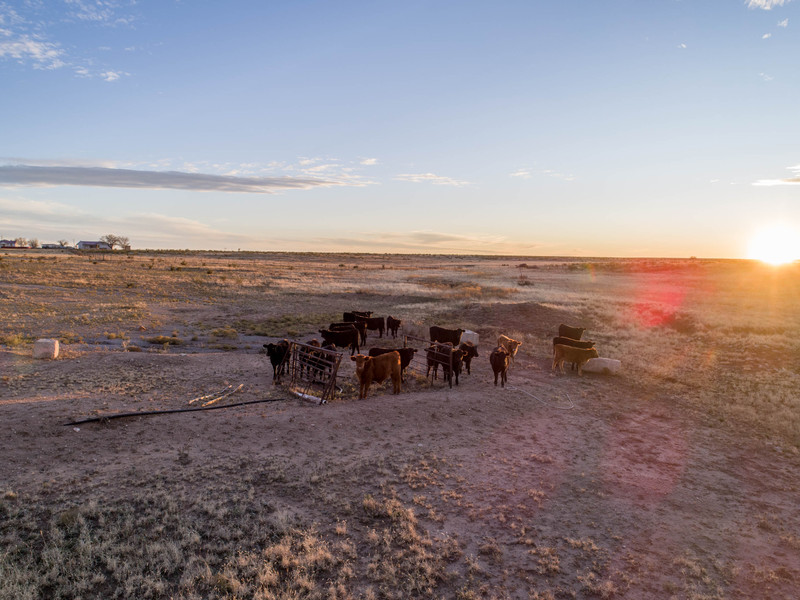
x,y
361,361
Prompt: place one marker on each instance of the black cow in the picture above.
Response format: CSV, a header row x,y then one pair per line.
x,y
349,317
440,334
449,358
499,359
470,352
277,356
341,338
406,354
392,325
373,323
571,332
360,325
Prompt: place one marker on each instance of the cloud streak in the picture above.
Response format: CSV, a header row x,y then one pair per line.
x,y
765,4
430,178
45,176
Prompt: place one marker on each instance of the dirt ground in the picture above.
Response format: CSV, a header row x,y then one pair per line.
x,y
555,486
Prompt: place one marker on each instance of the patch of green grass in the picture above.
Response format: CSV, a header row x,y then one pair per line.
x,y
286,325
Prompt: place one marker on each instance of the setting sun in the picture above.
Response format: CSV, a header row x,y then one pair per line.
x,y
775,245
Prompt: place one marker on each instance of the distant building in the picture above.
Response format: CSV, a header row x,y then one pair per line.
x,y
8,243
93,246
54,247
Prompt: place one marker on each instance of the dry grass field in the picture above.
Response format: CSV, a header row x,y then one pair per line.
x,y
677,478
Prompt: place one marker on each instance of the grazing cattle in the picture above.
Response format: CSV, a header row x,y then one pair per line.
x,y
341,338
563,353
510,345
449,358
499,359
349,317
574,343
574,333
277,356
470,352
406,354
375,369
392,325
359,325
440,334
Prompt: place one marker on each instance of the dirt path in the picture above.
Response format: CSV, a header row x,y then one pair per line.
x,y
570,485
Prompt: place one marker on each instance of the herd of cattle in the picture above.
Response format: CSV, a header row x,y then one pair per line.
x,y
446,351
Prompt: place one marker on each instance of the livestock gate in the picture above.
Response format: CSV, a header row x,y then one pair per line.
x,y
440,355
312,371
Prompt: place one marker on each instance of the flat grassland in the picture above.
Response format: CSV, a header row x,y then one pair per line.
x,y
677,478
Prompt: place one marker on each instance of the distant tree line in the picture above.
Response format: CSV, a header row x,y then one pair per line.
x,y
114,241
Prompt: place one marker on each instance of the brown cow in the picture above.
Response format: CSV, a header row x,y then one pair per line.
x,y
510,345
377,368
579,356
570,342
406,354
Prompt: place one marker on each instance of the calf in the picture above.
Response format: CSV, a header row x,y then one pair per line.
x,y
392,325
440,334
277,356
499,359
470,352
341,338
574,333
406,354
579,356
377,368
570,342
510,345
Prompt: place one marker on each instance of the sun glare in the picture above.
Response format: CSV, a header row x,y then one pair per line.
x,y
775,245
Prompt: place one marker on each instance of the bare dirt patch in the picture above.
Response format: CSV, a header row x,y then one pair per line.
x,y
677,478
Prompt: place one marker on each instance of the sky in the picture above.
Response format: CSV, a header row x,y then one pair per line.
x,y
617,128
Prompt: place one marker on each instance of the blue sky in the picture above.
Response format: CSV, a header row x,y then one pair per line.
x,y
616,128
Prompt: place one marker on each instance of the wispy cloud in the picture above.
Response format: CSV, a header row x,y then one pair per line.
x,y
26,34
430,178
26,50
528,173
368,162
766,76
27,175
784,23
794,180
765,4
766,36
